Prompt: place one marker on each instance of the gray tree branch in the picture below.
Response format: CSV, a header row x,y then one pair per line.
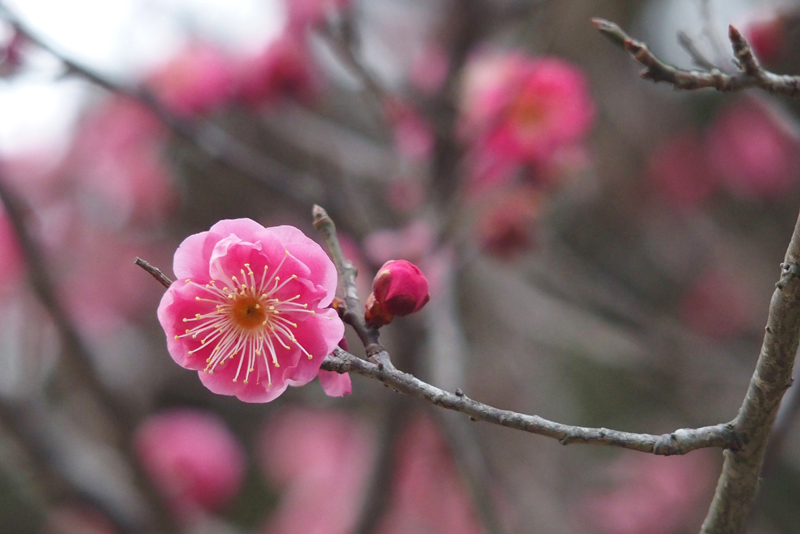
x,y
738,483
751,73
680,441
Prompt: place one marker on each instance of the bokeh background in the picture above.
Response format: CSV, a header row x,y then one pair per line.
x,y
600,250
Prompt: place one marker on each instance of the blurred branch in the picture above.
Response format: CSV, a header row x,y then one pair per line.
x,y
751,75
447,351
379,487
76,354
709,29
22,422
343,51
212,140
738,483
698,58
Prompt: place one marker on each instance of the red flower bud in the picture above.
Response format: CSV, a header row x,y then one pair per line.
x,y
400,289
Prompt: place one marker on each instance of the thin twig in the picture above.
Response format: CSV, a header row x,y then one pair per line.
x,y
23,422
738,482
346,56
751,75
155,272
698,58
680,441
710,30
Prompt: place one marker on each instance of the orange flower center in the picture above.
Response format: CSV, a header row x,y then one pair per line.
x,y
248,313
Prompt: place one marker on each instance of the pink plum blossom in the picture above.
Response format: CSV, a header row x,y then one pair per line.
x,y
192,458
517,110
752,151
284,69
321,459
250,309
197,80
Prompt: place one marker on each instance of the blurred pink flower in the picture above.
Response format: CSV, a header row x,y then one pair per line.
x,y
192,458
654,495
428,495
517,110
198,79
506,222
116,158
679,171
303,13
250,311
767,36
321,459
12,262
429,69
282,70
12,53
413,135
752,152
716,305
410,243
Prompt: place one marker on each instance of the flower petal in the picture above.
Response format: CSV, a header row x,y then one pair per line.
x,y
335,384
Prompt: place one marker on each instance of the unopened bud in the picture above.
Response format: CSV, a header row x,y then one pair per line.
x,y
399,289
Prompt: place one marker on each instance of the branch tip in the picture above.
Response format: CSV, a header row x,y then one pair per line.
x,y
154,271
